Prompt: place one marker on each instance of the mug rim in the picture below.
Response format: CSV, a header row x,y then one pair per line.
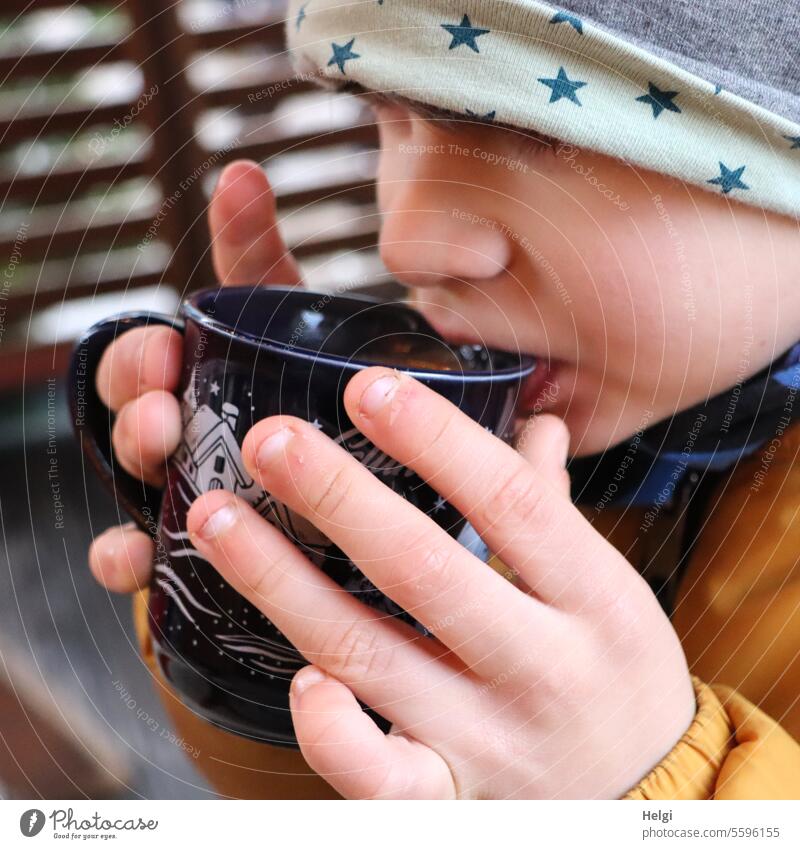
x,y
525,365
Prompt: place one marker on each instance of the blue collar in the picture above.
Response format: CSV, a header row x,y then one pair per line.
x,y
713,436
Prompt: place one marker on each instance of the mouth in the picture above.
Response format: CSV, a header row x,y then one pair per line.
x,y
540,389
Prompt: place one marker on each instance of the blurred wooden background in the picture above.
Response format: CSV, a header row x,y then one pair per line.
x,y
115,119
114,122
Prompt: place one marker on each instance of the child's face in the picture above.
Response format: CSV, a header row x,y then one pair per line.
x,y
641,293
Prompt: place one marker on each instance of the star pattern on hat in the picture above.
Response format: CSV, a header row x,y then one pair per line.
x,y
464,33
659,100
729,179
562,86
565,18
342,53
489,116
301,16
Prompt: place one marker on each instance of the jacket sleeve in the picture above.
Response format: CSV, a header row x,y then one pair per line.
x,y
738,608
235,767
732,750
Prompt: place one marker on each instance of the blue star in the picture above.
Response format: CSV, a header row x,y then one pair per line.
x,y
728,179
464,33
562,86
301,15
659,100
489,116
341,53
565,17
795,140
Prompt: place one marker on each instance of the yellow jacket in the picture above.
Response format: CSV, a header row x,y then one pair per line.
x,y
737,613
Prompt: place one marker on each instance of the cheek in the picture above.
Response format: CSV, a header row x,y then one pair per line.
x,y
622,301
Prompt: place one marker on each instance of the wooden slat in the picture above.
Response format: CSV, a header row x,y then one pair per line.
x,y
356,190
33,365
228,29
248,74
103,268
239,96
80,237
325,272
57,185
162,54
297,119
305,175
20,307
355,241
12,8
42,63
362,136
64,119
135,200
238,35
330,225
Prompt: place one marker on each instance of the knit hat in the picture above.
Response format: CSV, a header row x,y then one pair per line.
x,y
706,92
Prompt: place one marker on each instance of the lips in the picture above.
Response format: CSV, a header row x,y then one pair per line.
x,y
538,390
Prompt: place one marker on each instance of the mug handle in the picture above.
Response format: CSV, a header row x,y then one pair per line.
x,y
92,421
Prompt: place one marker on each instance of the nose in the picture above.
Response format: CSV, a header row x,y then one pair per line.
x,y
432,231
424,243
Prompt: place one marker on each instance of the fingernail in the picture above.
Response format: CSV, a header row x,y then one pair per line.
x,y
218,522
272,446
307,677
379,393
234,172
225,178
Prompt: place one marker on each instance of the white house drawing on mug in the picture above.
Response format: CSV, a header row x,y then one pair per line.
x,y
209,457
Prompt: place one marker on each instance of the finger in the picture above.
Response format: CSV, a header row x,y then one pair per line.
x,y
471,609
121,559
345,746
544,442
404,675
139,361
246,244
146,432
524,519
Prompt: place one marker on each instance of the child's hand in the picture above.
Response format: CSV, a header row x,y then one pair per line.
x,y
139,373
572,686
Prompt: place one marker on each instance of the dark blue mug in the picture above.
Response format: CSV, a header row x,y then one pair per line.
x,y
250,353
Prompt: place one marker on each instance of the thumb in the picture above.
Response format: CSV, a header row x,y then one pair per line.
x,y
246,244
543,441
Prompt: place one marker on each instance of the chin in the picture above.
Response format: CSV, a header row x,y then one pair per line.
x,y
593,433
